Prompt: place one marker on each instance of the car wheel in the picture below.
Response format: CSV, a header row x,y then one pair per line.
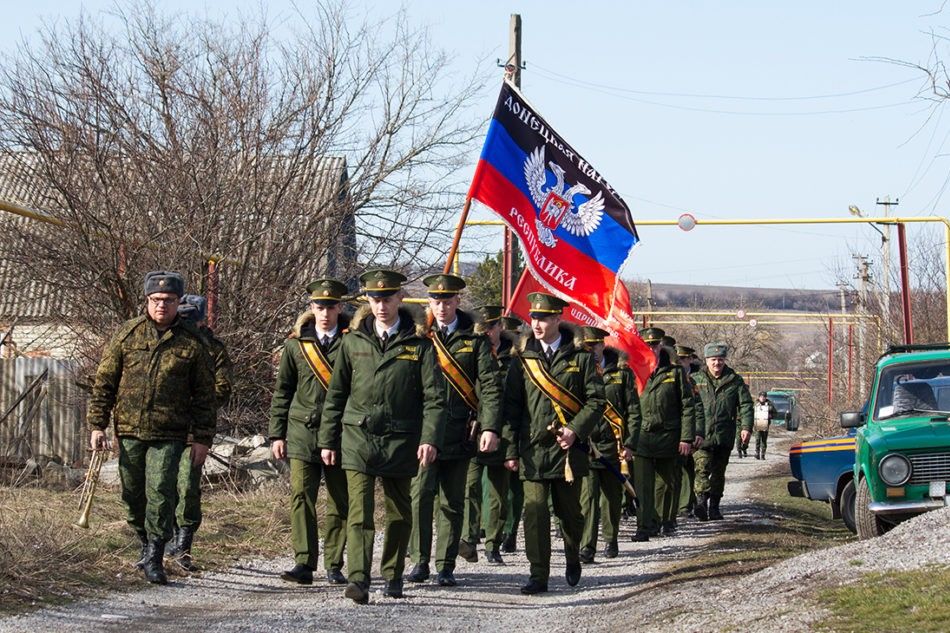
x,y
867,523
846,506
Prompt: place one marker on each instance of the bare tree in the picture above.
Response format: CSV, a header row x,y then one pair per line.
x,y
160,142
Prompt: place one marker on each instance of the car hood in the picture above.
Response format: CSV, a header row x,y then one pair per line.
x,y
911,435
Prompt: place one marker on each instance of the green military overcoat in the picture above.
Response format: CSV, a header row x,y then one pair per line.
x,y
726,403
473,353
666,409
156,386
297,404
501,361
620,389
528,411
382,404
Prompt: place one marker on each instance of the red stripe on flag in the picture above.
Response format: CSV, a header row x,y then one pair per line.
x,y
563,268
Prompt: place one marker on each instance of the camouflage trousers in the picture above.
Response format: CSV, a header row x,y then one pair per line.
x,y
149,471
188,507
711,470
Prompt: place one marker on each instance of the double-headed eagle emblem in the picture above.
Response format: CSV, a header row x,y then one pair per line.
x,y
556,205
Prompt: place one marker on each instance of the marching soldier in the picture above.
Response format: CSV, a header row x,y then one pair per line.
x,y
665,432
383,418
687,498
727,404
488,465
306,366
188,508
156,383
554,397
602,494
515,501
473,397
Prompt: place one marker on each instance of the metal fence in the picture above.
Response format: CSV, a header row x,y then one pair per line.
x,y
41,410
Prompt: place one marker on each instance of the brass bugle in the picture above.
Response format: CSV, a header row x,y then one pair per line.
x,y
89,487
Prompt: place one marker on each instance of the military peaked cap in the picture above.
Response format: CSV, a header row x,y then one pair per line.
x,y
668,340
381,282
544,305
652,335
593,335
326,292
715,350
489,314
512,323
443,286
164,281
684,351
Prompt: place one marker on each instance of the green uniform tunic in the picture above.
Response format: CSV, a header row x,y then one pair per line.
x,y
295,416
384,400
728,405
156,388
447,477
529,412
666,407
602,494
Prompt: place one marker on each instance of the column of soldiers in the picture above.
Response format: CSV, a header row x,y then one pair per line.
x,y
451,417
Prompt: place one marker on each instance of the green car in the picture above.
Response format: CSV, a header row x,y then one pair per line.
x,y
902,451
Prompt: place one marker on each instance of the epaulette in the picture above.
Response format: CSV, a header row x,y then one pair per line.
x,y
128,327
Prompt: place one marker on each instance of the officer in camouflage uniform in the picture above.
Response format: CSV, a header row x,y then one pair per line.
x,y
727,404
383,417
515,501
554,397
666,431
602,494
155,382
468,364
690,364
306,364
487,470
188,508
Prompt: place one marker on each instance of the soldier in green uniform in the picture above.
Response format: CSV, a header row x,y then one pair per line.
x,y
490,465
515,501
188,508
602,494
554,397
156,383
687,498
383,417
666,430
306,366
727,404
473,421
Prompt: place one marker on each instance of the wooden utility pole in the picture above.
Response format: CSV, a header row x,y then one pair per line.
x,y
510,267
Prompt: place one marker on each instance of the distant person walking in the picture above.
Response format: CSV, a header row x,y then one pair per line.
x,y
764,413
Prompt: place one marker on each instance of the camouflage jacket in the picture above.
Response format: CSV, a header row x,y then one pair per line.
x,y
155,386
727,403
222,366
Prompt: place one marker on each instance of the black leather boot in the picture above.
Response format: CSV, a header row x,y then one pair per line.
x,y
714,513
154,570
171,549
509,544
183,548
701,509
140,563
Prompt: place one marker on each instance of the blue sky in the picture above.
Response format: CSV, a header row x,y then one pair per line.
x,y
723,110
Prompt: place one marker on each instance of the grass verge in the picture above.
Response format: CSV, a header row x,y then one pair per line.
x,y
44,560
912,601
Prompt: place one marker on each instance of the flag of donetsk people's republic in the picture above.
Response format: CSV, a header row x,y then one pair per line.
x,y
575,231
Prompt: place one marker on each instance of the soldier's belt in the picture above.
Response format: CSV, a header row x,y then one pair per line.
x,y
454,373
319,364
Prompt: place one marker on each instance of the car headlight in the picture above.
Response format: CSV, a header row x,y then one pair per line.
x,y
894,469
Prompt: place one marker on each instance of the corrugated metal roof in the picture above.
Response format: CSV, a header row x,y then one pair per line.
x,y
23,296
